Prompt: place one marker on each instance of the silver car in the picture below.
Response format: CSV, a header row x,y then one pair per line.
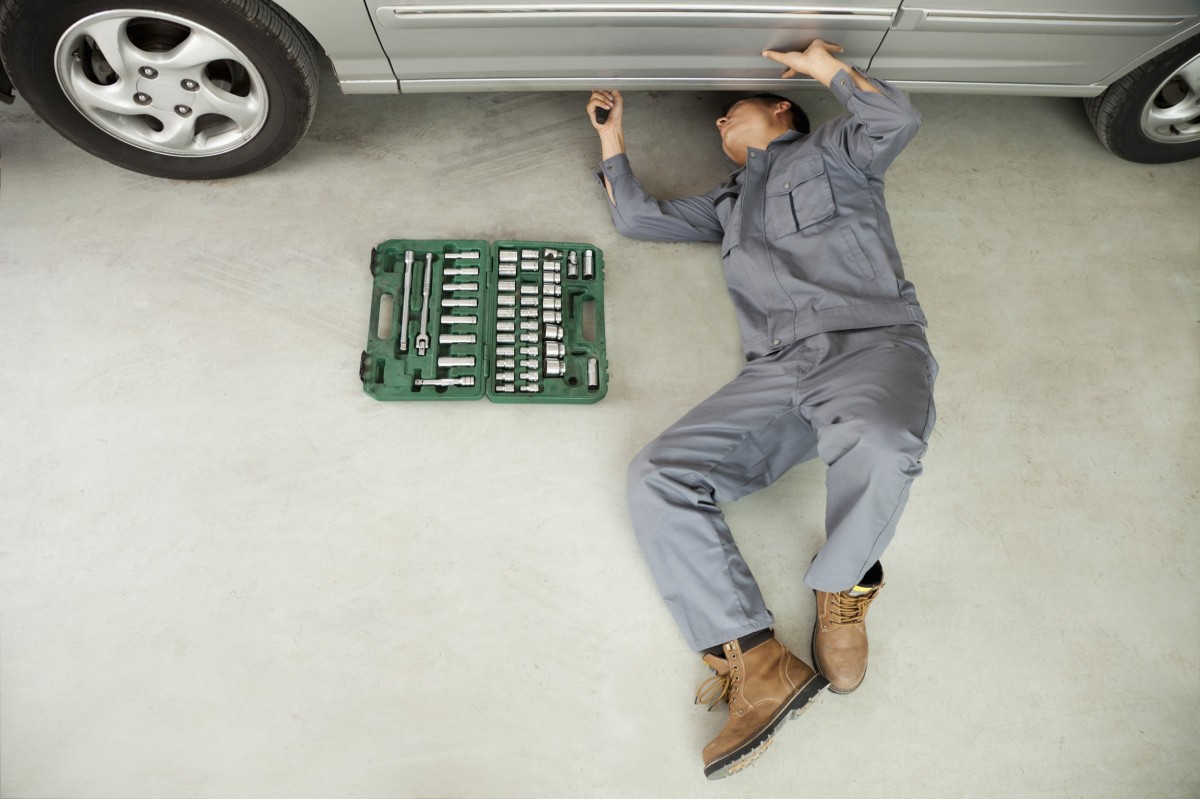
x,y
217,88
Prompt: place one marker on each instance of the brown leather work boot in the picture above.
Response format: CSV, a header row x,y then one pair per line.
x,y
764,687
839,642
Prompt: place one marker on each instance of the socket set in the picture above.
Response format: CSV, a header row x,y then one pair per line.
x,y
515,321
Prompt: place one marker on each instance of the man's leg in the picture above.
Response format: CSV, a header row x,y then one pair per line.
x,y
869,397
737,441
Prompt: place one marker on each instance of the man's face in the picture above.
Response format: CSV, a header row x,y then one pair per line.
x,y
751,122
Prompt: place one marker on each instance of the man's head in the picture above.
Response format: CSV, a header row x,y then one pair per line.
x,y
757,121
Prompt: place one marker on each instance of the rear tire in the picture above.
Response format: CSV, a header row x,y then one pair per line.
x,y
185,89
1152,115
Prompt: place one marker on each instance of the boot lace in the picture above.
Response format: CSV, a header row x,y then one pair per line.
x,y
714,689
846,609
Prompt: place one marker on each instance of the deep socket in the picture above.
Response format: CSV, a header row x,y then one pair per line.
x,y
449,362
450,319
456,338
460,302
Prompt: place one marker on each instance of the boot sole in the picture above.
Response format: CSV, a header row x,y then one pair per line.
x,y
750,751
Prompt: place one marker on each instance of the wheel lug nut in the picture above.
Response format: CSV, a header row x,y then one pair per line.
x,y
142,99
148,72
190,85
183,111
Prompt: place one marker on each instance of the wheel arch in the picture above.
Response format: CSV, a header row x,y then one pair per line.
x,y
1191,31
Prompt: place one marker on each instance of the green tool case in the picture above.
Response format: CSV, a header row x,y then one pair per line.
x,y
516,321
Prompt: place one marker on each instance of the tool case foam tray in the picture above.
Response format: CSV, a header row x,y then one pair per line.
x,y
515,321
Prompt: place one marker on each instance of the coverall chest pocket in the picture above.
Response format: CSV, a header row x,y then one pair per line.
x,y
799,196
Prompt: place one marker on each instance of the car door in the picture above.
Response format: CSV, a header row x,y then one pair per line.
x,y
1068,43
578,44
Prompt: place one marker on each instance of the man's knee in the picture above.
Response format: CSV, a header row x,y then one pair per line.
x,y
660,470
884,442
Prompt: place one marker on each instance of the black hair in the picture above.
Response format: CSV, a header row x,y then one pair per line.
x,y
798,120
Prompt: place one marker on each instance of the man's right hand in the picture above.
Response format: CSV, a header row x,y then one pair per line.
x,y
610,101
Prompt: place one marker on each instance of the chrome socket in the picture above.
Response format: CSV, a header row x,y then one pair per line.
x,y
549,253
530,377
552,303
506,313
530,364
506,300
503,326
460,286
529,288
556,350
456,338
529,255
530,351
593,374
505,377
529,301
551,266
508,270
506,286
554,333
470,256
460,302
552,317
555,368
450,362
530,338
508,256
465,270
451,319
551,277
506,352
531,388
529,313
506,363
551,290
532,325
506,338
572,264
504,388
530,266
589,267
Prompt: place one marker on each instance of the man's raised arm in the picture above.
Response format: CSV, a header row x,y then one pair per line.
x,y
882,120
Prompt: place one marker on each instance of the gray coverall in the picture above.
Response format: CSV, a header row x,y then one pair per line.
x,y
837,365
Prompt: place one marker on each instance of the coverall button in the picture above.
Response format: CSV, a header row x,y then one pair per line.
x,y
777,342
786,186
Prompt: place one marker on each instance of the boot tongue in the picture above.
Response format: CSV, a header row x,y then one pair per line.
x,y
719,665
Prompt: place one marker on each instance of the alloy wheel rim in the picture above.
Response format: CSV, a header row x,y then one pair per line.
x,y
161,83
1172,114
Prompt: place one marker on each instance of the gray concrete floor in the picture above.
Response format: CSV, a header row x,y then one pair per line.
x,y
227,572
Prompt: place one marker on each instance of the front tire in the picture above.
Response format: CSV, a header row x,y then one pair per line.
x,y
185,89
1152,115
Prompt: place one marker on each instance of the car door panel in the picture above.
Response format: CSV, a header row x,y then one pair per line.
x,y
702,44
1070,42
